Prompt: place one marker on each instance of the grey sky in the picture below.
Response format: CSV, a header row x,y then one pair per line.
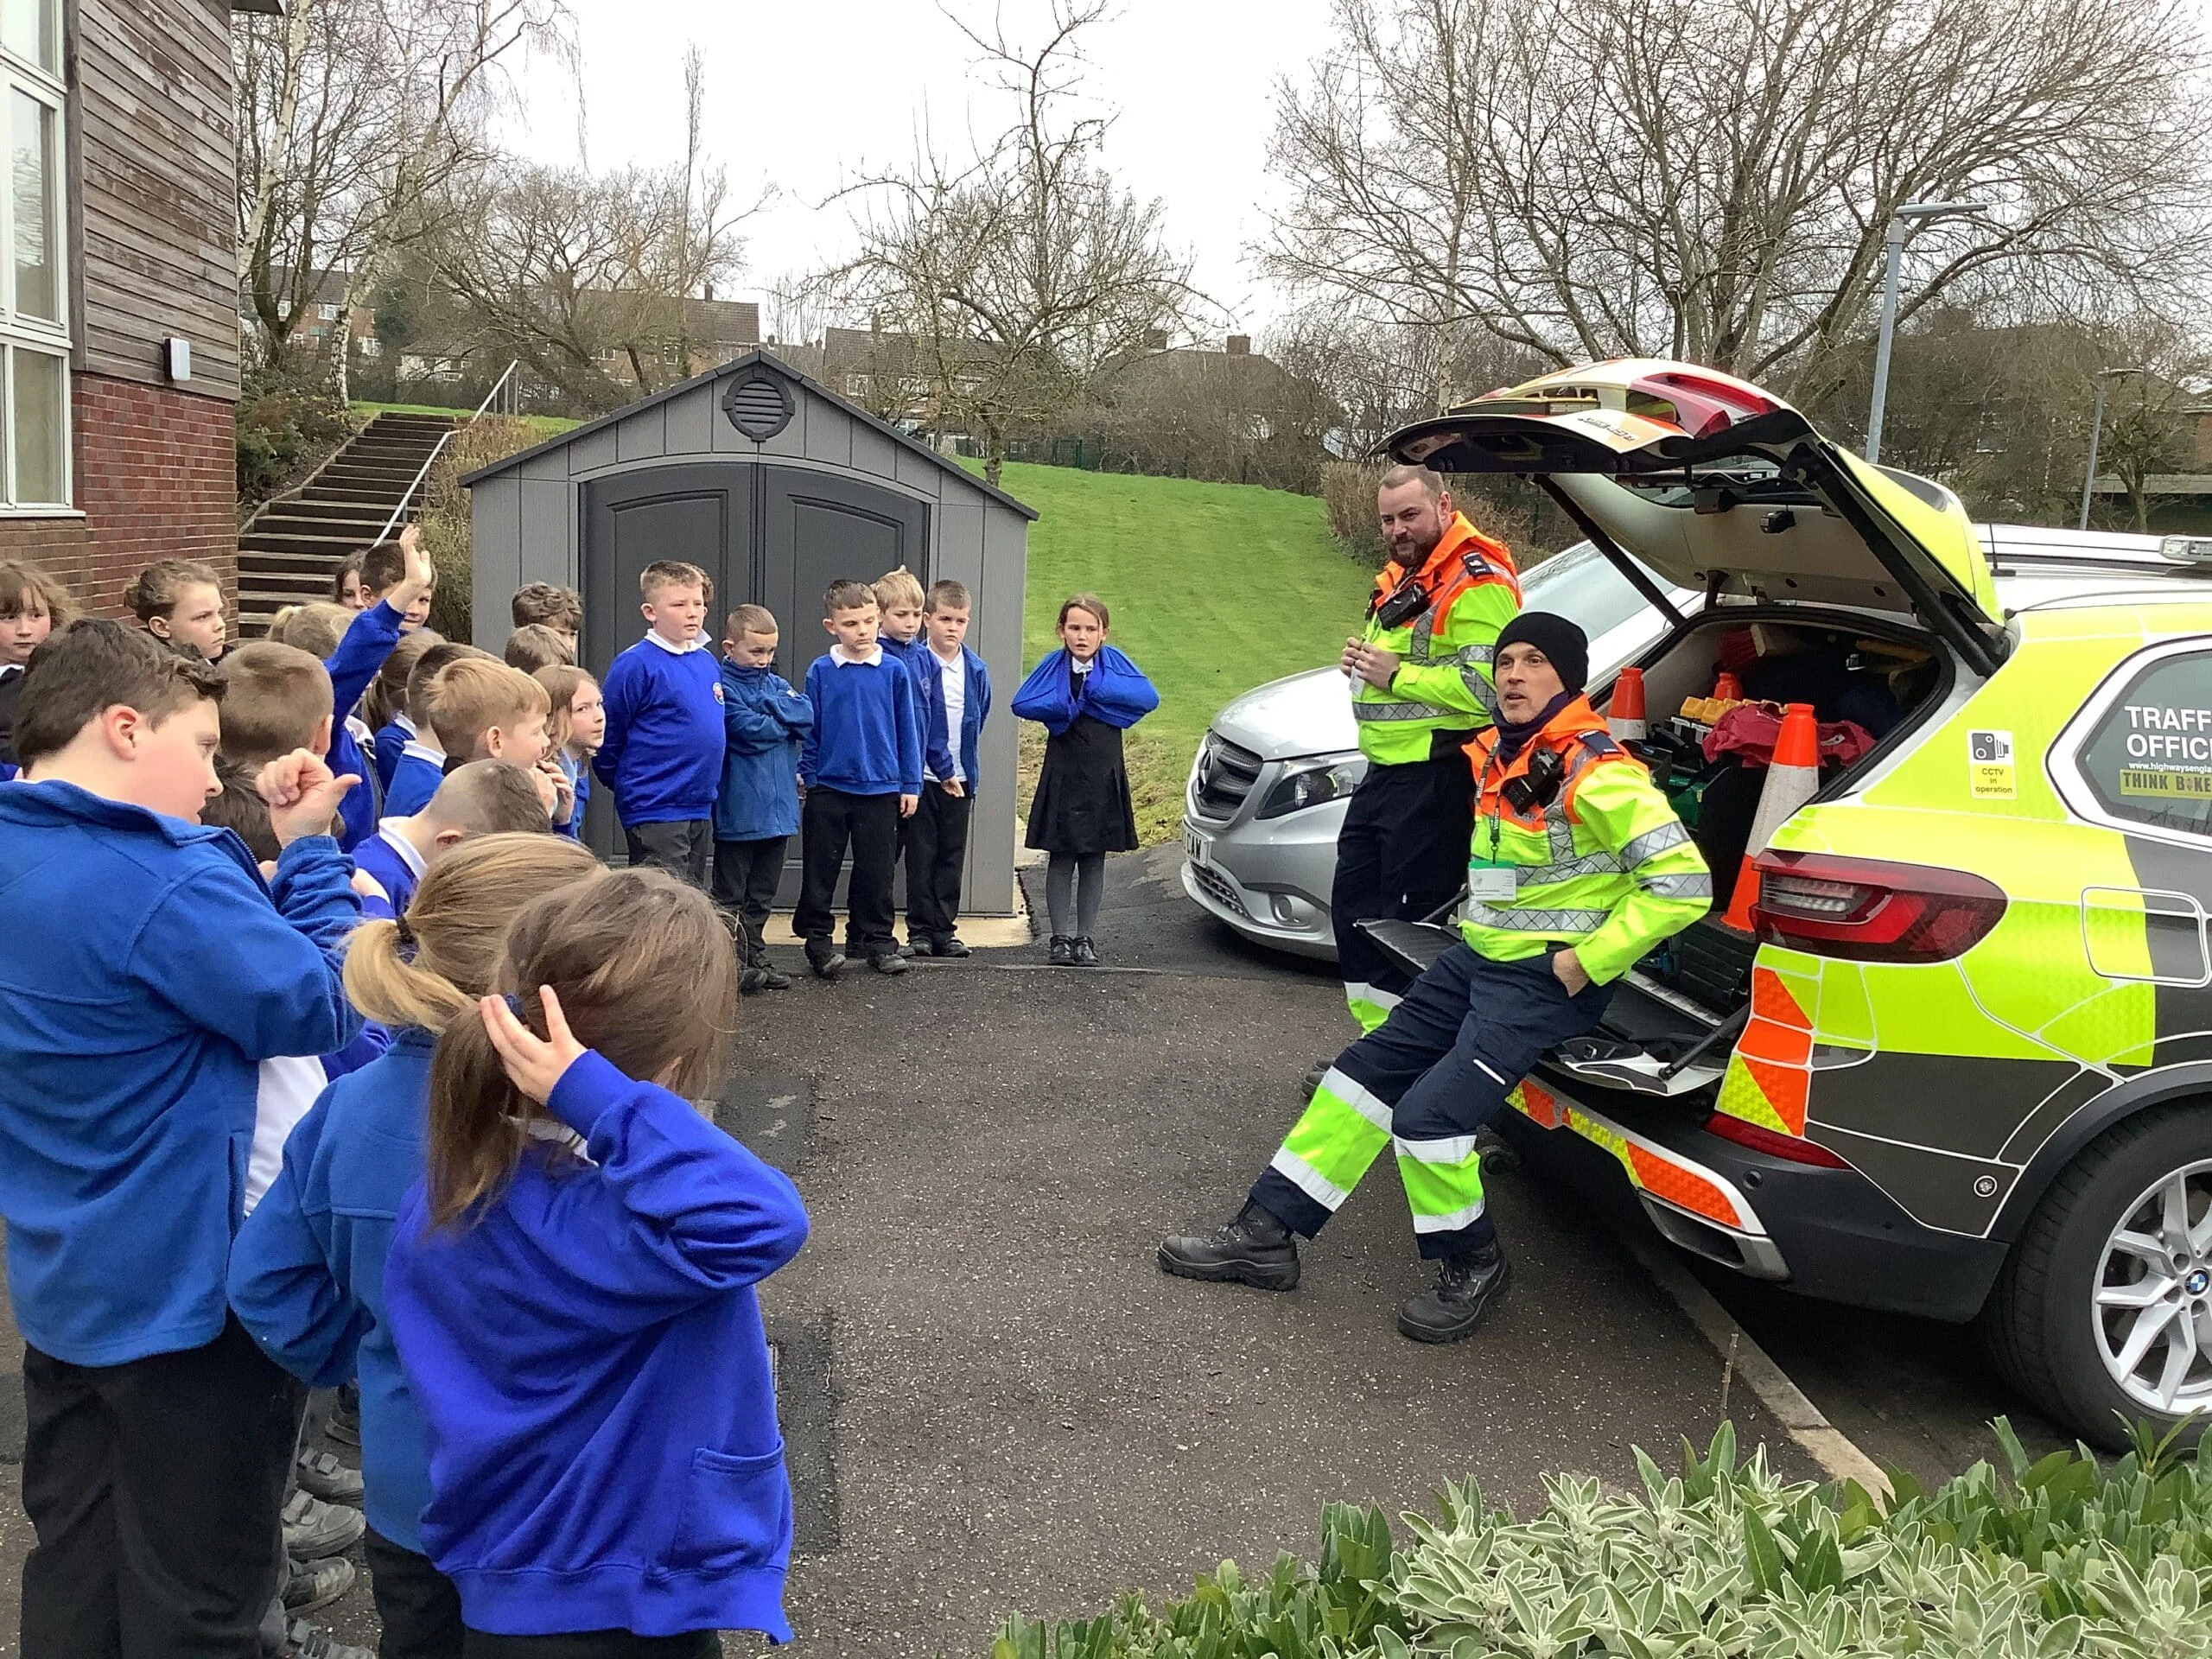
x,y
802,95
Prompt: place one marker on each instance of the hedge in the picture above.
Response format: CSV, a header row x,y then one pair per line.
x,y
2057,1557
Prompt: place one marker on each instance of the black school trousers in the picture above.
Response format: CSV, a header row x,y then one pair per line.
x,y
593,1645
155,1488
416,1605
684,848
830,822
937,853
747,874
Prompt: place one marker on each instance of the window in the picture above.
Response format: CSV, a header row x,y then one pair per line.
x,y
2144,753
34,312
328,312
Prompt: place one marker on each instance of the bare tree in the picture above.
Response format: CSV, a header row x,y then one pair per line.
x,y
352,115
1712,178
1023,271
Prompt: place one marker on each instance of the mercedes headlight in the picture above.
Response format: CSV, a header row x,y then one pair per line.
x,y
1310,783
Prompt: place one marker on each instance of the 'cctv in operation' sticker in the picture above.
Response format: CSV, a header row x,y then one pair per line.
x,y
1989,766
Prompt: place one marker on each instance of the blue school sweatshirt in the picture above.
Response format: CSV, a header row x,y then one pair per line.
x,y
396,866
391,740
867,737
353,667
765,722
940,744
587,1357
422,768
306,1272
662,754
145,973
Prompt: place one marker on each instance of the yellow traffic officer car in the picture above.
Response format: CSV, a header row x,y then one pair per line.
x,y
1953,1057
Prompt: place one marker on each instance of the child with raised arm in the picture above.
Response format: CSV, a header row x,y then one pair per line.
x,y
756,812
1085,695
663,753
572,1291
307,1272
952,689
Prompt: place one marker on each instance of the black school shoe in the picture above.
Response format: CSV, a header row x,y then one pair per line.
x,y
949,944
887,962
321,1475
824,959
1063,952
310,1586
1085,953
773,978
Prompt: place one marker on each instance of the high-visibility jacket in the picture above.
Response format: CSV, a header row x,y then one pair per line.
x,y
1605,866
1443,682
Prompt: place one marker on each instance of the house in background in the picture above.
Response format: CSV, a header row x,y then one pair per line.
x,y
119,307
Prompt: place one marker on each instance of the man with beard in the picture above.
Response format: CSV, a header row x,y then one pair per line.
x,y
1422,686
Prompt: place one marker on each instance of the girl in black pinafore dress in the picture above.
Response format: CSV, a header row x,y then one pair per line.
x,y
1085,695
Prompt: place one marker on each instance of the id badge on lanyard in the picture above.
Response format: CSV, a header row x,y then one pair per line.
x,y
1490,878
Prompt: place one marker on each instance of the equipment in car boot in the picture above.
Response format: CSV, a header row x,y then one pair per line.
x,y
1624,710
1792,780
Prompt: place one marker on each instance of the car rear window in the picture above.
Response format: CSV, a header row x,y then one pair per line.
x,y
2150,758
1583,585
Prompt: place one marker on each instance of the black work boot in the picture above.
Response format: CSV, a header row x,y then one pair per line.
x,y
1467,1284
1254,1250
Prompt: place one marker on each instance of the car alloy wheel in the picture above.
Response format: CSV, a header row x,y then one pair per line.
x,y
2152,1312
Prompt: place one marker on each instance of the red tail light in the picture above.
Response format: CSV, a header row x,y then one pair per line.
x,y
1871,910
1795,1148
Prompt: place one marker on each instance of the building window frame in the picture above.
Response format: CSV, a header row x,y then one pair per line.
x,y
21,334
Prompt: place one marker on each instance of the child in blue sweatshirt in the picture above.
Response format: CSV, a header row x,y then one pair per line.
x,y
899,604
1085,695
306,1272
663,753
952,689
422,758
756,812
861,768
130,1040
574,1304
397,602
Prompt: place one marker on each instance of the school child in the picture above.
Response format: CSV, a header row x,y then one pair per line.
x,y
307,1271
535,646
145,1017
571,1288
385,707
485,797
1085,695
346,585
354,663
663,752
756,811
577,727
32,605
899,605
542,604
180,601
387,564
421,761
860,770
952,691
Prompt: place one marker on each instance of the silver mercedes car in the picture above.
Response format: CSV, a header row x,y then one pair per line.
x,y
1267,790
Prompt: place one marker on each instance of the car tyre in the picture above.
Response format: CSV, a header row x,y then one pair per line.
x,y
2036,1326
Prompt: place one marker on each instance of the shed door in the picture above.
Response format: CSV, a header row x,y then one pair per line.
x,y
703,515
817,527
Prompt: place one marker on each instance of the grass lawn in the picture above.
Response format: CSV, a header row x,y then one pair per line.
x,y
542,426
1214,588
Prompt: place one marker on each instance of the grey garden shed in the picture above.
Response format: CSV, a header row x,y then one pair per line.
x,y
776,487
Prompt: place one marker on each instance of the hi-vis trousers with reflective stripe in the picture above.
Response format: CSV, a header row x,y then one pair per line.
x,y
1438,1070
1403,852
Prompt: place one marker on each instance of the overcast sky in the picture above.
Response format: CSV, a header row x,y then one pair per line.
x,y
802,95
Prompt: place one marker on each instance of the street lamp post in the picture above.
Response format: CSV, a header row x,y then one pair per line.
x,y
2096,432
1907,218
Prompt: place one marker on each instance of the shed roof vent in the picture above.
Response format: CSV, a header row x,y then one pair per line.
x,y
759,405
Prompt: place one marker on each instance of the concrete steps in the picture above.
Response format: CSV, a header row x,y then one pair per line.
x,y
290,551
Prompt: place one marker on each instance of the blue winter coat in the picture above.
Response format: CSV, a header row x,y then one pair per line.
x,y
928,671
766,722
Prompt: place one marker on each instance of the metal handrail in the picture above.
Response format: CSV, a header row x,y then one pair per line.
x,y
439,449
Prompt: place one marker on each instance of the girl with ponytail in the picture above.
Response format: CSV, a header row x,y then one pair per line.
x,y
572,1289
307,1268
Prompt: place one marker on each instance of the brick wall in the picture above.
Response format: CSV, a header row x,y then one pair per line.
x,y
156,478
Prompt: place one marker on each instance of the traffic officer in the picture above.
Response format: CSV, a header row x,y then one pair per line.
x,y
1576,869
1420,675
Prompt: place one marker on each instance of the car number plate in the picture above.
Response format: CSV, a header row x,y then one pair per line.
x,y
1199,847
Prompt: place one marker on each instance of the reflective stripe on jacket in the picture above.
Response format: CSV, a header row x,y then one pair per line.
x,y
1605,866
1443,682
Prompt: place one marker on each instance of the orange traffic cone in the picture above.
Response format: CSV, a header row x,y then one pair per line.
x,y
1792,780
1727,689
1624,714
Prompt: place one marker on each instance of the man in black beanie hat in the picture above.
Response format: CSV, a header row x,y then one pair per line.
x,y
1578,868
